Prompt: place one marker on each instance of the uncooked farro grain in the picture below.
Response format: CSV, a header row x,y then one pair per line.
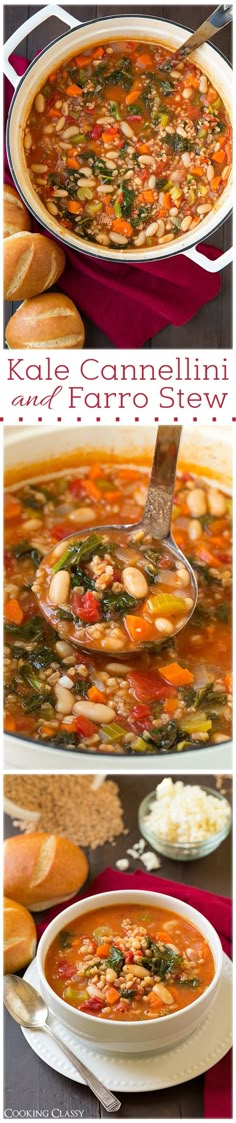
x,y
69,806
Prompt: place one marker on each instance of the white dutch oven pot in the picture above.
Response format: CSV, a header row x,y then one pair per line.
x,y
78,38
209,452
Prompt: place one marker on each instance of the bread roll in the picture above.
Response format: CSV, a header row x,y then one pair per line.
x,y
15,215
19,936
42,869
31,264
50,321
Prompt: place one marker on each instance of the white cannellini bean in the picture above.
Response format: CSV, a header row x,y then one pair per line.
x,y
185,159
60,194
48,129
203,84
63,649
194,530
95,711
217,504
126,129
82,515
204,208
164,626
210,172
182,577
151,230
60,124
102,239
152,182
64,700
140,972
71,131
39,103
186,222
225,173
187,92
161,227
196,502
111,975
118,668
163,993
59,587
106,188
146,161
135,582
139,241
51,207
27,141
167,238
118,239
39,167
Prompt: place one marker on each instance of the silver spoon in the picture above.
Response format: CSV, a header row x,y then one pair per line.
x,y
156,521
28,1008
218,19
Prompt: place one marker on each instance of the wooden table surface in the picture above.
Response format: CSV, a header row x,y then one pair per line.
x,y
211,327
29,1083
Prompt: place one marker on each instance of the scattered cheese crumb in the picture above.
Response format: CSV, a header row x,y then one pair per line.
x,y
185,812
150,861
122,864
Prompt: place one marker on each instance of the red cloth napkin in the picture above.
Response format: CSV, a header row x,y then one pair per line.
x,y
218,910
131,303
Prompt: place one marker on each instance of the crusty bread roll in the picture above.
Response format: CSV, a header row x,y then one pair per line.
x,y
42,869
32,263
15,215
49,321
19,936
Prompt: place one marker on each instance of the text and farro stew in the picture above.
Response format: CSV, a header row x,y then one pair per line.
x,y
152,701
129,963
121,157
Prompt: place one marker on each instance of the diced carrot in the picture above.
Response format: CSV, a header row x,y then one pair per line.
x,y
9,724
112,996
190,81
138,629
228,683
13,612
170,705
72,163
132,96
99,52
96,695
211,95
54,112
95,472
197,171
148,196
91,489
215,182
145,60
73,207
162,936
178,676
111,496
107,137
12,507
103,950
127,474
70,728
48,730
74,90
219,156
121,226
143,149
167,201
84,60
153,999
207,557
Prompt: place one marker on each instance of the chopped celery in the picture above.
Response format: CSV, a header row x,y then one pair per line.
x,y
166,603
101,933
141,746
117,209
84,193
176,193
94,208
71,993
112,732
164,119
114,107
195,723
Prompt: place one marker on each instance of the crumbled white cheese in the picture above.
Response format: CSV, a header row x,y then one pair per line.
x,y
185,812
150,861
122,864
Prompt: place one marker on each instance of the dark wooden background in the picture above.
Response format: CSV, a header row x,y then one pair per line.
x,y
29,1083
211,327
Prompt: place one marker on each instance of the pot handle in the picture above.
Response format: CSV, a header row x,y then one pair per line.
x,y
29,25
206,263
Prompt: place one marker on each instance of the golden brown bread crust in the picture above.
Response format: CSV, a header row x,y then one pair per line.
x,y
42,869
15,215
31,264
19,936
48,321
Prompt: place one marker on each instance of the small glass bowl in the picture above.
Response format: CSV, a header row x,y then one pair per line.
x,y
183,851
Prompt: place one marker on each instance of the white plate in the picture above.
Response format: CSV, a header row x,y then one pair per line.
x,y
145,1072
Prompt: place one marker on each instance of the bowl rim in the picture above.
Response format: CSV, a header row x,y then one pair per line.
x,y
199,842
131,895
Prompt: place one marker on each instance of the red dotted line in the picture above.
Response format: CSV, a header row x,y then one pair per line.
x,y
117,419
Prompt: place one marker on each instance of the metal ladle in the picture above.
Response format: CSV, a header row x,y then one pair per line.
x,y
28,1008
156,521
218,19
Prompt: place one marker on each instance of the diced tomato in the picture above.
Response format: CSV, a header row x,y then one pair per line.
x,y
86,607
76,486
96,132
61,531
140,718
84,726
93,1005
147,686
129,957
66,969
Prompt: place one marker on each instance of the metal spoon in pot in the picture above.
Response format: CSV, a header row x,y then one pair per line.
x,y
218,19
28,1008
54,576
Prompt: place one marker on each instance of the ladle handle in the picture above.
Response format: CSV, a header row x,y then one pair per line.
x,y
105,1097
218,19
159,502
